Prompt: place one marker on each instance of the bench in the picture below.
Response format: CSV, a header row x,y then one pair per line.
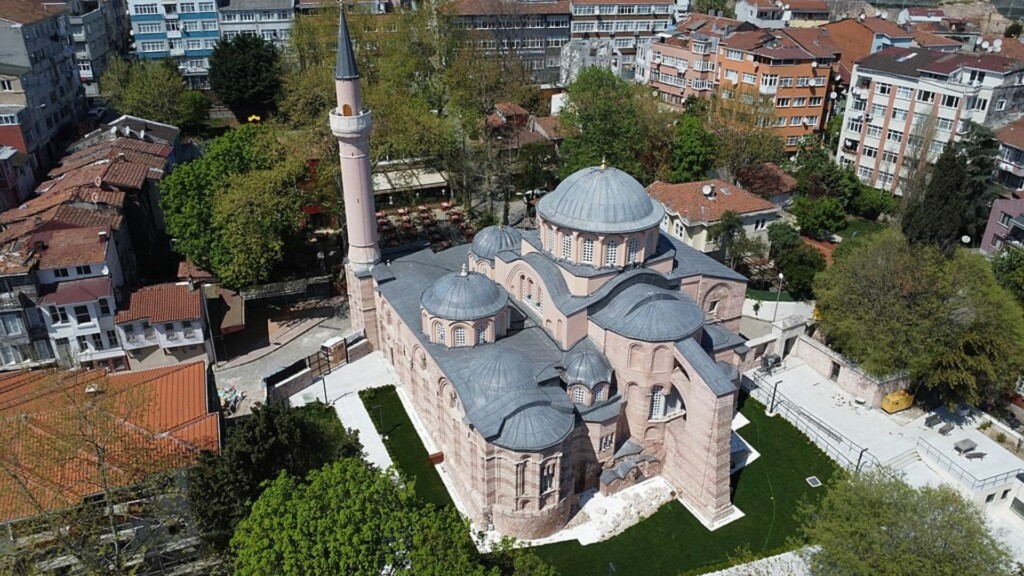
x,y
975,455
945,430
932,420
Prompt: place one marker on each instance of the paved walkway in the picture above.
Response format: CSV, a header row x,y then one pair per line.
x,y
343,386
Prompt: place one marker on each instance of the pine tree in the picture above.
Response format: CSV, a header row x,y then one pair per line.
x,y
937,216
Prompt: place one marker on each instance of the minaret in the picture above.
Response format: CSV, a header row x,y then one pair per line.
x,y
351,125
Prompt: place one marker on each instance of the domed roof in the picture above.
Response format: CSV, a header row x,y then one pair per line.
x,y
587,367
601,200
493,239
651,314
496,371
464,296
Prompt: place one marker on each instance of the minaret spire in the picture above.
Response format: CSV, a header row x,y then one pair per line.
x,y
346,67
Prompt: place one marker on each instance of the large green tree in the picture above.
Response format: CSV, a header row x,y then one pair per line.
x,y
741,120
274,439
246,73
818,175
782,237
154,90
799,266
873,523
1008,266
818,216
979,148
693,151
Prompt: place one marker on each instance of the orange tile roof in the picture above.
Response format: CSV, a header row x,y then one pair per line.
x,y
550,126
39,204
71,247
688,200
146,421
161,303
886,27
27,11
926,39
1012,134
510,109
187,269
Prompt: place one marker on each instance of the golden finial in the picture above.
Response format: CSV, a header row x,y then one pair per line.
x,y
604,164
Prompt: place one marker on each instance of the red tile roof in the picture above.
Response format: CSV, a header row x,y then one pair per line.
x,y
187,269
929,12
688,200
148,421
39,204
1012,134
71,247
885,27
161,303
75,291
27,11
510,109
549,127
927,39
808,5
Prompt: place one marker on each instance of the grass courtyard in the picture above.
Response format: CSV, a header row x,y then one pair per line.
x,y
671,542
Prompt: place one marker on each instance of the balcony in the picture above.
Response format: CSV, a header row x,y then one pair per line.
x,y
768,90
350,126
177,51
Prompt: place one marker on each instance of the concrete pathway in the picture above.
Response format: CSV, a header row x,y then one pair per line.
x,y
343,386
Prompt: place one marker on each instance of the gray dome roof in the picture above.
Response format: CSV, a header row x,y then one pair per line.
x,y
587,367
493,239
535,428
601,200
464,296
496,371
651,314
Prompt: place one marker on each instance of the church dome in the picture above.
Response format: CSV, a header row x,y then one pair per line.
x,y
464,296
493,239
496,371
601,200
650,314
587,367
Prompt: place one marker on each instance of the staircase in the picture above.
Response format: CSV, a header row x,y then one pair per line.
x,y
903,459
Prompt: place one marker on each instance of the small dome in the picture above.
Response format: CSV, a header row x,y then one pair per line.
x,y
650,314
587,367
464,296
493,239
601,200
496,371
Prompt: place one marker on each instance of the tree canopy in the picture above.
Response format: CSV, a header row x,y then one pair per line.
x,y
818,216
154,90
896,307
799,266
873,523
741,120
693,150
1008,266
246,73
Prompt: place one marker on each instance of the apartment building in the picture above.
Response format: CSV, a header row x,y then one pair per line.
x,y
534,32
776,14
684,62
608,33
184,31
791,66
914,102
1005,228
164,324
16,178
24,340
862,36
1011,156
41,96
269,19
99,30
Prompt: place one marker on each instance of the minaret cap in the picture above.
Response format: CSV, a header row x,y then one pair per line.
x,y
346,67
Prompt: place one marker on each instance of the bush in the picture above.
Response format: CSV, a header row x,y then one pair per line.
x,y
816,217
1000,437
985,425
871,203
1013,30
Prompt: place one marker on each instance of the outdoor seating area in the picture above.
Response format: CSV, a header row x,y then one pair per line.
x,y
444,225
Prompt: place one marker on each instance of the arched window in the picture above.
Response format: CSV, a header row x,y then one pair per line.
x,y
551,240
346,110
611,253
600,393
481,334
483,267
652,243
657,408
588,251
673,403
567,247
634,250
578,395
439,335
460,336
540,299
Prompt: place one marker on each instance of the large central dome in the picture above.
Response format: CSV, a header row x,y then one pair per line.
x,y
601,200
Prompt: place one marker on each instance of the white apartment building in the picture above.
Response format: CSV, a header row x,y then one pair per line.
x,y
99,30
270,19
608,33
914,102
164,324
1011,156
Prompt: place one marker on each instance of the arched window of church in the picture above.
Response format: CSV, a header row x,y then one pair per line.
x,y
600,392
481,334
551,240
611,253
588,251
578,396
439,335
540,298
567,247
483,267
657,408
673,403
460,336
634,250
652,243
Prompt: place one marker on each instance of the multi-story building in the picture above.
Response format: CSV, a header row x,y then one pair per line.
x,y
908,104
607,33
684,62
99,31
184,31
269,19
692,208
1011,156
164,324
534,32
861,36
41,97
24,341
775,14
1005,228
16,178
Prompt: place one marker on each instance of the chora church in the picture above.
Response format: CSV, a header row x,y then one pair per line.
x,y
590,353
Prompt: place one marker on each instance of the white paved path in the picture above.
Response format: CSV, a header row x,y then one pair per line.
x,y
343,386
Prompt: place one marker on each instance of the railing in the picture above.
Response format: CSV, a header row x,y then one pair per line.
x,y
963,476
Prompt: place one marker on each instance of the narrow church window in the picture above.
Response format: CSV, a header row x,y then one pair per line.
x,y
547,478
566,247
652,243
460,336
657,409
599,392
611,252
588,251
551,240
481,334
673,403
607,442
634,249
578,395
439,335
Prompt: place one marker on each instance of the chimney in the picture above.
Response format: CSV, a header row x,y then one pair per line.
x,y
103,235
38,246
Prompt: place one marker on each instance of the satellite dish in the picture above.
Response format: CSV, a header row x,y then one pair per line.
x,y
997,49
985,45
997,42
883,15
786,7
978,40
861,17
707,190
95,197
105,271
98,182
833,95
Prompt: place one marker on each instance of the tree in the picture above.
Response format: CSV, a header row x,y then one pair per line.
x,y
979,148
246,73
873,523
1013,30
709,6
693,151
936,217
871,203
195,109
275,439
1008,266
726,230
817,217
799,266
741,121
154,90
818,175
782,237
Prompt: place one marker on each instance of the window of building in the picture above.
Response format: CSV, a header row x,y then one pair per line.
x,y
870,152
186,7
42,350
104,307
884,179
899,114
611,252
1004,219
975,103
811,121
207,7
147,331
795,120
782,102
439,335
937,146
889,156
734,55
1001,104
111,338
9,355
803,81
748,78
169,331
566,247
83,270
997,242
944,124
815,101
551,240
547,477
883,88
97,341
865,172
732,76
878,110
634,250
854,125
209,25
150,28
152,46
607,442
578,395
11,324
460,336
760,223
83,343
186,329
82,315
129,333
799,102
58,315
950,101
61,272
874,131
588,251
792,140
481,334
146,9
904,93
8,119
926,96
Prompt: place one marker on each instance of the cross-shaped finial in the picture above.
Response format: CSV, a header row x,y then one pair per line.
x,y
604,164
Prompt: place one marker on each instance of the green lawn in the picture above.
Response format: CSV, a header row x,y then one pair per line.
x,y
768,295
860,228
767,491
403,443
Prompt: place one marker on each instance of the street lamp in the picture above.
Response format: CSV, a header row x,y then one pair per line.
x,y
778,297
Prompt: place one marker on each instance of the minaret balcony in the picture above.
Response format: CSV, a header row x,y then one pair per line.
x,y
351,126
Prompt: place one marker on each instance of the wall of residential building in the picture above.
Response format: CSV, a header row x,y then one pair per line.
x,y
165,343
696,233
272,25
1011,167
1003,211
528,31
767,17
93,46
185,31
678,69
608,35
